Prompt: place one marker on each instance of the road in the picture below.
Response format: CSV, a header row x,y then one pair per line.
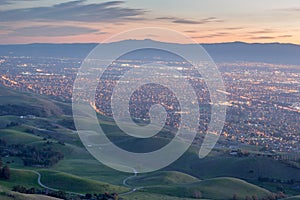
x,y
50,188
133,189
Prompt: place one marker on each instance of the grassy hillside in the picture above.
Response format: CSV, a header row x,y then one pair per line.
x,y
19,103
171,183
20,177
18,137
222,165
91,169
59,180
162,178
151,196
19,196
69,182
217,188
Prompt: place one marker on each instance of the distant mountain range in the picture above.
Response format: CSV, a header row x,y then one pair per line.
x,y
220,52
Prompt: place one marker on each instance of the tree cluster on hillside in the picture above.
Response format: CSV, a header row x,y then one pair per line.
x,y
31,155
105,196
24,190
65,195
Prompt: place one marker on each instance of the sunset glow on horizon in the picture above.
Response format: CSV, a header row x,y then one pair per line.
x,y
92,21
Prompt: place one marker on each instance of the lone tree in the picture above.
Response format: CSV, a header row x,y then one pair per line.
x,y
5,172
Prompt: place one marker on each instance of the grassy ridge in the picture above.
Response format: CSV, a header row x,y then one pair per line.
x,y
28,103
19,196
151,196
162,178
20,177
18,137
225,165
217,188
69,182
58,180
90,168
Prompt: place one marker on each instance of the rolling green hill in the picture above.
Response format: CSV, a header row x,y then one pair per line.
x,y
162,178
32,197
152,196
69,182
19,196
13,136
217,188
224,165
6,194
59,180
20,103
20,177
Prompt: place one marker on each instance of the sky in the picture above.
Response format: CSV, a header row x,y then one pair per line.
x,y
205,21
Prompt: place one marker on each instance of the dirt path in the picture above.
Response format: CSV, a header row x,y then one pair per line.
x,y
133,189
50,188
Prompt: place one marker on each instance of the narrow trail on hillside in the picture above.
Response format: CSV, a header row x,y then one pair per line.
x,y
133,188
50,188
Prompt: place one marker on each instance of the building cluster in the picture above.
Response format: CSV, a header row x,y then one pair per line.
x,y
262,98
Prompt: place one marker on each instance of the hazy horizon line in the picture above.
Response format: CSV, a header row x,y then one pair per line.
x,y
69,43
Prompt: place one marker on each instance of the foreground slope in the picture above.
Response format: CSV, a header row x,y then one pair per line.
x,y
71,175
216,188
23,103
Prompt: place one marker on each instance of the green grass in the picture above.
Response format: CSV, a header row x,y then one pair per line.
x,y
69,182
38,103
13,162
58,180
90,168
18,137
7,119
162,178
151,196
278,187
217,188
20,177
225,165
79,162
19,196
